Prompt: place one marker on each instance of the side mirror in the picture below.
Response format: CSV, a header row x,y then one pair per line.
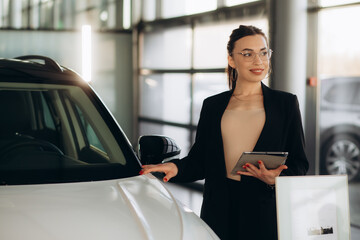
x,y
155,149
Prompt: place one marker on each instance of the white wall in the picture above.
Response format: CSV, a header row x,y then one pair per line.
x,y
111,63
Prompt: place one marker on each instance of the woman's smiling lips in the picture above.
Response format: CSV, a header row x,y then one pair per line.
x,y
257,71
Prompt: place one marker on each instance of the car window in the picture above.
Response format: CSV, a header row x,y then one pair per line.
x,y
58,133
342,93
357,96
90,134
48,118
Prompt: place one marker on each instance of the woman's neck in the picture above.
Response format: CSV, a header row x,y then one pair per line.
x,y
245,89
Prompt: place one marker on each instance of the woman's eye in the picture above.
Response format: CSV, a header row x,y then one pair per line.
x,y
264,53
248,54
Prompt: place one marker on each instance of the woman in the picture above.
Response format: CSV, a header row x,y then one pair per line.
x,y
249,117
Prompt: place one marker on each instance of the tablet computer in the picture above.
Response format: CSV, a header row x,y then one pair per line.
x,y
271,160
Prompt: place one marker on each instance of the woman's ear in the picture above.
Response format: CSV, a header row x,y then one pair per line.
x,y
231,61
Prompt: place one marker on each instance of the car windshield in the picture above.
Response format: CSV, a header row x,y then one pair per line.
x,y
59,133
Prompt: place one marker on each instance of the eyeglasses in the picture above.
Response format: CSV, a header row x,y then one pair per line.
x,y
264,55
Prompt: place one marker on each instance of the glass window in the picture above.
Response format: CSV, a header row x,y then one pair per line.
x,y
342,93
357,95
90,17
339,47
15,13
88,130
210,41
166,97
205,85
237,2
210,44
34,15
175,8
149,10
328,3
338,66
90,134
58,15
4,10
24,12
48,118
66,150
47,14
126,14
65,14
180,135
169,49
104,15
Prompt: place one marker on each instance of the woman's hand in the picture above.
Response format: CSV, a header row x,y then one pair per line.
x,y
262,173
170,170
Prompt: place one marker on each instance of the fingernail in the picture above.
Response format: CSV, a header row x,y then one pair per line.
x,y
244,167
165,180
259,162
141,172
247,165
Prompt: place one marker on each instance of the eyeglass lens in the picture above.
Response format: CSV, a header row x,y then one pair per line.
x,y
263,55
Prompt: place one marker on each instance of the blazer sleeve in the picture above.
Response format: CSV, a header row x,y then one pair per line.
x,y
297,161
191,167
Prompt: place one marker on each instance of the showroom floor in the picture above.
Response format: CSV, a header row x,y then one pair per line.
x,y
193,199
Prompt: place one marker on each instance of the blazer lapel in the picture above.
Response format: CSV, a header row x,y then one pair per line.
x,y
264,141
219,111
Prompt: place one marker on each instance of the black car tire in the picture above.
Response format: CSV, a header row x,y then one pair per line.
x,y
341,155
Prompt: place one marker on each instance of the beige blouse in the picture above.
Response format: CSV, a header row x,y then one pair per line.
x,y
241,126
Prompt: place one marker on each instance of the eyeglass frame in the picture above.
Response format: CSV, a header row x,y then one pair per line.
x,y
249,59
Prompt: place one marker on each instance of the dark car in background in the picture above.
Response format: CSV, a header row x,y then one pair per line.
x,y
340,126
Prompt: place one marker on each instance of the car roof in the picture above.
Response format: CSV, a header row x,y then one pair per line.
x,y
32,67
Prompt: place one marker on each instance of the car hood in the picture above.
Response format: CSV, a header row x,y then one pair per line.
x,y
132,208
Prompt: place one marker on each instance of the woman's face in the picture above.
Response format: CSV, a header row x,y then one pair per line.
x,y
247,61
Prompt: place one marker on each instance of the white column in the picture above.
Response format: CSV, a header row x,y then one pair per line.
x,y
288,29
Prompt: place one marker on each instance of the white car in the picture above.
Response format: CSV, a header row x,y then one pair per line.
x,y
67,171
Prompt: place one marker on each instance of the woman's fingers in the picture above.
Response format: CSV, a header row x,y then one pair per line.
x,y
262,165
250,170
281,168
153,168
170,170
169,175
244,173
261,172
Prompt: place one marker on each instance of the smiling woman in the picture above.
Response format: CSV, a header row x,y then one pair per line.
x,y
248,117
251,54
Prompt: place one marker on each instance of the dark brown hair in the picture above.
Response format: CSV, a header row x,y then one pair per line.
x,y
236,34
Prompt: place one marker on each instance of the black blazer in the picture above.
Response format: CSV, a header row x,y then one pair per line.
x,y
282,131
